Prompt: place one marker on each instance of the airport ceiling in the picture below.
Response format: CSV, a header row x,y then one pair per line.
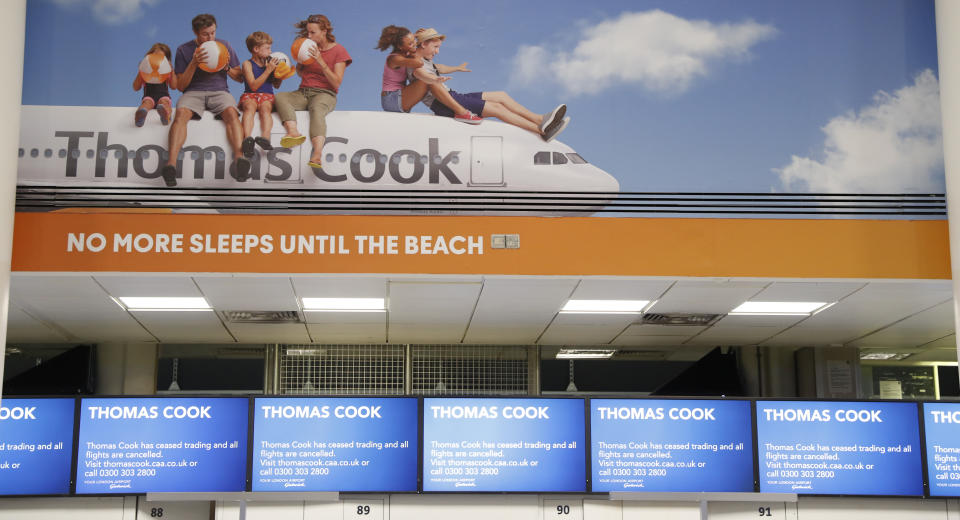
x,y
902,316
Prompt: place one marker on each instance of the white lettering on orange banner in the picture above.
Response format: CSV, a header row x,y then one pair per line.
x,y
245,244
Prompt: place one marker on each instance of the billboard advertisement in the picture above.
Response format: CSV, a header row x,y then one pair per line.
x,y
642,96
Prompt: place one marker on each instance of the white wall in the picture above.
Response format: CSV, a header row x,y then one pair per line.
x,y
479,507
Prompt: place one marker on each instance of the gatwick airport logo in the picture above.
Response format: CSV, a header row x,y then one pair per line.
x,y
404,166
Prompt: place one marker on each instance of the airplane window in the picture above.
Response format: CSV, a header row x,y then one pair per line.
x,y
103,154
559,158
90,154
34,152
576,159
118,154
329,157
436,159
395,159
144,154
355,159
222,156
383,159
48,153
455,159
62,153
343,157
423,159
208,155
410,159
194,155
369,158
541,158
20,152
75,154
165,154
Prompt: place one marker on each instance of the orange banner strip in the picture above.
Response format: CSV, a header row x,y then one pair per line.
x,y
118,242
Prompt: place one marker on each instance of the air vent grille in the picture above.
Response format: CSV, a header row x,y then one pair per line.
x,y
701,320
262,316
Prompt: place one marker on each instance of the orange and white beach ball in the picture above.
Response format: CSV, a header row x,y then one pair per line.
x,y
217,56
284,69
155,67
301,50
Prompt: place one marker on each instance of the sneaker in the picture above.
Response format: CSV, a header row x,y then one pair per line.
x,y
140,116
468,118
169,174
555,131
164,114
555,117
246,147
242,166
263,143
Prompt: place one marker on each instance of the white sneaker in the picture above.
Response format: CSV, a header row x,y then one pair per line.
x,y
555,131
555,117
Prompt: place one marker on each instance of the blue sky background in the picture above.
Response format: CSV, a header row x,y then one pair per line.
x,y
751,112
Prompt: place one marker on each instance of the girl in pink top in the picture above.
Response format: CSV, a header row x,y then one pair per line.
x,y
319,84
398,96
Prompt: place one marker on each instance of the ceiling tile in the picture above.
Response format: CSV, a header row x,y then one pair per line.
x,y
586,329
248,293
184,327
714,297
269,332
430,312
512,311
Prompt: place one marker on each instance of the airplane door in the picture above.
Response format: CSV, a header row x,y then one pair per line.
x,y
486,161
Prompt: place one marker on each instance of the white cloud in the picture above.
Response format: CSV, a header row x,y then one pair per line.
x,y
894,145
112,12
658,51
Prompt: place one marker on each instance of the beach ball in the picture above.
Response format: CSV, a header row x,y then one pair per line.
x,y
284,69
217,56
155,67
301,50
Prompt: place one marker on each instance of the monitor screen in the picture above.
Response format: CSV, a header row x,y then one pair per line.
x,y
671,445
839,448
156,444
335,444
36,446
523,445
941,425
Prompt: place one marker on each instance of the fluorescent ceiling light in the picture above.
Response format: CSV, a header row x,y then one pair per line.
x,y
780,308
583,353
884,356
164,303
304,352
344,304
605,306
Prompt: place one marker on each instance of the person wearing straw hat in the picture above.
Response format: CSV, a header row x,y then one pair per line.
x,y
496,104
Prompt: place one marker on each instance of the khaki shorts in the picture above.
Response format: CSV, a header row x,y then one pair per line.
x,y
215,101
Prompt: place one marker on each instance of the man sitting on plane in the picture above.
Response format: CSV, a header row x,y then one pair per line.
x,y
204,91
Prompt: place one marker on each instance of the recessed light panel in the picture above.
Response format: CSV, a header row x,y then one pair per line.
x,y
344,304
583,353
780,308
605,306
164,303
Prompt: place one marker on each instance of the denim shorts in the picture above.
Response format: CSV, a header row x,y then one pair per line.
x,y
392,101
472,101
